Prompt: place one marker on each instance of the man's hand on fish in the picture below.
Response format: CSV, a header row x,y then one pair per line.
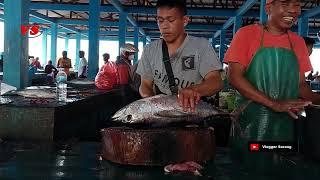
x,y
290,106
188,98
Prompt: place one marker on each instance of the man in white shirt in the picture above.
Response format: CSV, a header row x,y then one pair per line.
x,y
82,70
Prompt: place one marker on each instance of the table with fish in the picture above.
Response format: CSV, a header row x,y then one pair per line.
x,y
35,113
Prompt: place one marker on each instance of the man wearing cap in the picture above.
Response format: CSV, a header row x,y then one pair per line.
x,y
126,70
267,65
194,65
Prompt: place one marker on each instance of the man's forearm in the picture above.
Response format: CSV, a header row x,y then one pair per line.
x,y
207,88
211,84
247,90
146,92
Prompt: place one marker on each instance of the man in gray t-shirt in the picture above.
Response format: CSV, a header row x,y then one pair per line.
x,y
191,62
194,63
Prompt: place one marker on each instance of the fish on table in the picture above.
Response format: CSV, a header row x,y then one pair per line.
x,y
47,93
162,109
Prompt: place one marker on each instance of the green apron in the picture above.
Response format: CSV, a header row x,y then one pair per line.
x,y
275,72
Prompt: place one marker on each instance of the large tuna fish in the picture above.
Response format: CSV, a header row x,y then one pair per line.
x,y
161,109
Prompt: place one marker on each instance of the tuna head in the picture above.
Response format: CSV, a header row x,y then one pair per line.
x,y
161,109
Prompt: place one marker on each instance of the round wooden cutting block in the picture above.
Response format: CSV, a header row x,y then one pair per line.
x,y
157,147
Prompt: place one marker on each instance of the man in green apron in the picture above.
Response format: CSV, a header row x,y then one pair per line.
x,y
267,65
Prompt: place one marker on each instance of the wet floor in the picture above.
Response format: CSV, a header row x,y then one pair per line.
x,y
81,161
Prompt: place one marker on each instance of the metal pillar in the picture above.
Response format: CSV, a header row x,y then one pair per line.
x,y
237,24
15,44
148,39
136,43
222,46
122,29
66,43
54,36
44,46
303,27
78,47
93,55
263,14
144,40
213,41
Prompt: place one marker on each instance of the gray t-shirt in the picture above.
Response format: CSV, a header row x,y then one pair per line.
x,y
192,61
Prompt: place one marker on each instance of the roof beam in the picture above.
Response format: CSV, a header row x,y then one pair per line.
x,y
84,33
217,34
68,7
31,19
157,35
34,18
51,20
70,29
85,22
42,17
311,12
109,38
117,7
129,9
73,22
102,33
117,4
209,12
131,33
228,23
154,25
245,7
150,25
212,29
241,11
